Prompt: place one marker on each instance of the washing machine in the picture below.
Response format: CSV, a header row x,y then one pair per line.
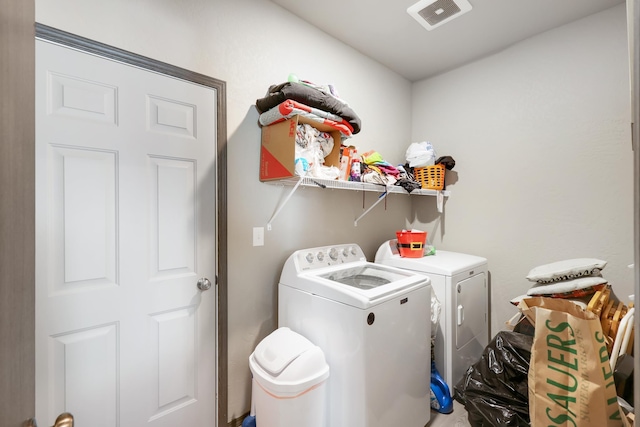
x,y
460,283
372,323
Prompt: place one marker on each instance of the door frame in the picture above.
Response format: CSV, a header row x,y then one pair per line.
x,y
17,212
635,140
47,33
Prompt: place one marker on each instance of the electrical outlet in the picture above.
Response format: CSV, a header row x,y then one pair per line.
x,y
258,236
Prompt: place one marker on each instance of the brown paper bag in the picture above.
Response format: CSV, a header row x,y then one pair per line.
x,y
570,378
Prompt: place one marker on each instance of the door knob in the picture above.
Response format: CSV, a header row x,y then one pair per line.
x,y
204,284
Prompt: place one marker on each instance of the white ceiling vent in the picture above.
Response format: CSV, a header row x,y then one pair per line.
x,y
433,13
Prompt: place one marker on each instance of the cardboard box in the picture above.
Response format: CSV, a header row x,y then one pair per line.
x,y
277,151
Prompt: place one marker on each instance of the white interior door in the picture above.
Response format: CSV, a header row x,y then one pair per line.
x,y
125,228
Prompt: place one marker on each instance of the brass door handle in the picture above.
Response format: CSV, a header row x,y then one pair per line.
x,y
64,420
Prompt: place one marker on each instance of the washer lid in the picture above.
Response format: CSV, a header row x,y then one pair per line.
x,y
443,262
360,284
364,276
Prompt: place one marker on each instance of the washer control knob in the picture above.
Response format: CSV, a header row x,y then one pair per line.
x,y
333,254
309,257
345,252
353,250
320,256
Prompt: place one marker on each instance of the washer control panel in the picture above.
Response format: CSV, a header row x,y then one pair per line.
x,y
325,256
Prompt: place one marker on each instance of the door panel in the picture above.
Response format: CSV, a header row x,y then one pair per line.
x,y
125,220
171,117
87,356
83,201
172,216
174,339
74,97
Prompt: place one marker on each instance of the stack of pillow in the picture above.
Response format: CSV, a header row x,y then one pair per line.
x,y
573,278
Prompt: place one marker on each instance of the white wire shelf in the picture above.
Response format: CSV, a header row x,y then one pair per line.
x,y
352,185
335,184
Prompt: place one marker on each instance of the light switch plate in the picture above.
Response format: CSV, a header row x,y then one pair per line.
x,y
258,236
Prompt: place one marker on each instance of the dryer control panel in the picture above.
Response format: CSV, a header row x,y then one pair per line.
x,y
325,256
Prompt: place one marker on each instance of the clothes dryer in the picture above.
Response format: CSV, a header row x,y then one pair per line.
x,y
372,323
459,281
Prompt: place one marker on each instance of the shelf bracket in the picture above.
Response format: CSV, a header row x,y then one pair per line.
x,y
381,197
284,202
440,201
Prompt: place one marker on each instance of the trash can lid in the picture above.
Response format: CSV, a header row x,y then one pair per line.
x,y
278,350
287,364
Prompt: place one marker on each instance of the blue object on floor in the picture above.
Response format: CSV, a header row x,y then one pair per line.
x,y
249,421
441,399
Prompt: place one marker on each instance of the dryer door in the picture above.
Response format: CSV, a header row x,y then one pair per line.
x,y
471,310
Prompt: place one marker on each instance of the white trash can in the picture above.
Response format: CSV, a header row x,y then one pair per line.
x,y
289,381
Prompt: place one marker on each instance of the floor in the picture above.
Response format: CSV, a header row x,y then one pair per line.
x,y
458,418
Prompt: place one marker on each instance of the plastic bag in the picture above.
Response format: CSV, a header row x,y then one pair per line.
x,y
436,308
494,390
420,154
312,146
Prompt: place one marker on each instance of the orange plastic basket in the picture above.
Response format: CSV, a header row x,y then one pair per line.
x,y
430,177
411,243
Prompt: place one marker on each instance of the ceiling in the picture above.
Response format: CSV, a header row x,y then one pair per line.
x,y
384,31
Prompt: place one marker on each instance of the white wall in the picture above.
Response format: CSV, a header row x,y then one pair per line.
x,y
541,137
251,45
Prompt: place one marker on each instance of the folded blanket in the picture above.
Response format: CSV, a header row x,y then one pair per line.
x,y
314,98
290,108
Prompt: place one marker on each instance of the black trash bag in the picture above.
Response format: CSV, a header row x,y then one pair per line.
x,y
494,390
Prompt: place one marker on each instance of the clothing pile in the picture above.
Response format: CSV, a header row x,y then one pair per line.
x,y
377,170
321,107
374,169
317,104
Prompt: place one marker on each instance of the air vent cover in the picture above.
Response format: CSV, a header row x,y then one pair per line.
x,y
433,13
